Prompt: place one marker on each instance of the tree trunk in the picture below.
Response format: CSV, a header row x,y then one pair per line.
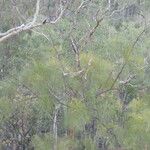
x,y
55,127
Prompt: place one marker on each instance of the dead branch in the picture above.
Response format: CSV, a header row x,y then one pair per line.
x,y
25,27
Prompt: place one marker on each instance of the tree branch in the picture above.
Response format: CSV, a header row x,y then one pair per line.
x,y
124,65
24,27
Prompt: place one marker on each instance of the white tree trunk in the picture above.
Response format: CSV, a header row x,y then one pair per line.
x,y
57,107
109,4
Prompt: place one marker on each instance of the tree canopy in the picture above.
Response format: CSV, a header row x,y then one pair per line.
x,y
74,75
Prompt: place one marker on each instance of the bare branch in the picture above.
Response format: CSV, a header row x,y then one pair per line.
x,y
16,30
89,34
60,15
24,27
82,4
128,79
36,12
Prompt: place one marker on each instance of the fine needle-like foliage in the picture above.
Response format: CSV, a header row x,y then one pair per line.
x,y
74,75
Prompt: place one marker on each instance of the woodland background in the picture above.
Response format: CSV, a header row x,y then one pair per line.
x,y
74,75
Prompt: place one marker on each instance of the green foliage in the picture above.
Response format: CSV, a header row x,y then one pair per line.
x,y
38,71
77,114
135,134
5,110
43,142
66,144
98,71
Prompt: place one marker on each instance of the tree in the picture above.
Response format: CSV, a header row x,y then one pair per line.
x,y
76,82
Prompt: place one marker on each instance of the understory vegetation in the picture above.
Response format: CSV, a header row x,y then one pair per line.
x,y
76,77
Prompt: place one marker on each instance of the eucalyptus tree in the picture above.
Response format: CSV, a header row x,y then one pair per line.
x,y
71,80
